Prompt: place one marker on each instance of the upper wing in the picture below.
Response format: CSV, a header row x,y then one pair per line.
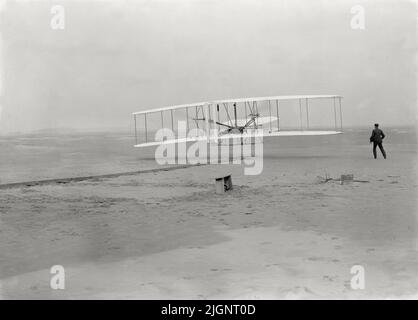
x,y
238,100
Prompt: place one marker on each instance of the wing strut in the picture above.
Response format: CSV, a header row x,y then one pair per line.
x,y
146,136
235,114
300,114
335,114
217,115
136,136
245,107
227,112
277,110
341,114
197,116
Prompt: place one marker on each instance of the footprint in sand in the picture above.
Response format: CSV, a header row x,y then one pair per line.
x,y
316,258
146,284
299,293
347,284
330,278
271,265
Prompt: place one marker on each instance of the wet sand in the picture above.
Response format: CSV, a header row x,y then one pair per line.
x,y
283,234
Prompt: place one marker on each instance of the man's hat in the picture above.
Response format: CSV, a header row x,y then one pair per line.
x,y
376,124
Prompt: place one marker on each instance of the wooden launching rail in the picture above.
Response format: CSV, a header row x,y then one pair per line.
x,y
78,179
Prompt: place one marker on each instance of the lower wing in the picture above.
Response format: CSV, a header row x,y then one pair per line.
x,y
216,138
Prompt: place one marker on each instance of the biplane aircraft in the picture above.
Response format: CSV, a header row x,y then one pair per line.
x,y
234,118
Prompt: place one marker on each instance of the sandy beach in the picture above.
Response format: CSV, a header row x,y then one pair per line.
x,y
161,235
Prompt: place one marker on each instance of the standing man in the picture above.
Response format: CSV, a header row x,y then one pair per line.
x,y
377,139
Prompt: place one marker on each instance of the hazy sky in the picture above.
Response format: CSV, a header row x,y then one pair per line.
x,y
117,57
